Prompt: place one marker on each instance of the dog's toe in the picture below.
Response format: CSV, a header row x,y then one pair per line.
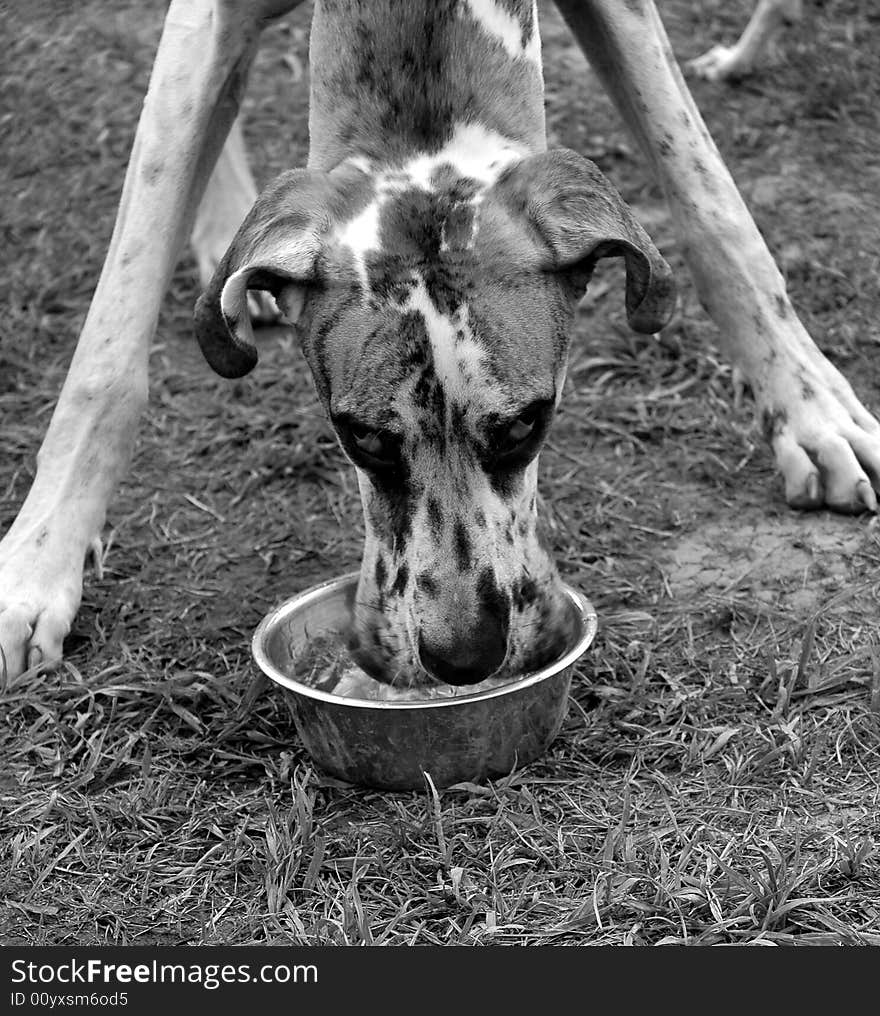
x,y
830,475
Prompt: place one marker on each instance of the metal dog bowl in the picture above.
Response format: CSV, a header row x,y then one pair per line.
x,y
390,745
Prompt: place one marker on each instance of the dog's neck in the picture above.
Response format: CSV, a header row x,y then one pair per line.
x,y
392,80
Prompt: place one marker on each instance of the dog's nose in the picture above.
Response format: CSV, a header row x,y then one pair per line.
x,y
465,660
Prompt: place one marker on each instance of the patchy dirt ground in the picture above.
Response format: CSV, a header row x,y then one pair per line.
x,y
717,776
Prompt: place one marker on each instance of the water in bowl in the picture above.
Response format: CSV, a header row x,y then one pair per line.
x,y
324,662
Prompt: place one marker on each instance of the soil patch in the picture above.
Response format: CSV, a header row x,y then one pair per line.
x,y
798,562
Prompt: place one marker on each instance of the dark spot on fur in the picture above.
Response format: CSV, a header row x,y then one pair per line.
x,y
525,592
781,308
414,341
430,399
318,322
400,581
490,597
457,418
435,518
152,172
506,482
381,573
390,509
427,584
389,277
461,545
447,284
410,225
773,422
454,188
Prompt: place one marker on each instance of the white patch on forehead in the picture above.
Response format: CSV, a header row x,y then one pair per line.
x,y
459,359
455,359
506,29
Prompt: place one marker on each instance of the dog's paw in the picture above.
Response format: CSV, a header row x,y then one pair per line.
x,y
40,593
826,444
32,632
720,63
31,637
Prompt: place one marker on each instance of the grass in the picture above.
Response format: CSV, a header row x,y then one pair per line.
x,y
716,780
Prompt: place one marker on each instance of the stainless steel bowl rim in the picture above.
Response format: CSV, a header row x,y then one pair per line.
x,y
275,617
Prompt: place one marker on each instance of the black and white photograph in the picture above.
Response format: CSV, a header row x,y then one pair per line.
x,y
439,462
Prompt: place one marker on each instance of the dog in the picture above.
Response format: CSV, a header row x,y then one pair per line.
x,y
728,63
430,256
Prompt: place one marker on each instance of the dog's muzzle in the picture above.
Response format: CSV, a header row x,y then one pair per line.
x,y
469,656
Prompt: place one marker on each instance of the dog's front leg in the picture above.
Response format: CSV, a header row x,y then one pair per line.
x,y
198,73
827,445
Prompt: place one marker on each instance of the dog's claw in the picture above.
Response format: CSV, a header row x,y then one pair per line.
x,y
739,382
865,496
809,495
814,489
96,555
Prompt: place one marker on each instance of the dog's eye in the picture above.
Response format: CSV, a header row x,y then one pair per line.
x,y
526,425
375,447
369,441
522,426
514,443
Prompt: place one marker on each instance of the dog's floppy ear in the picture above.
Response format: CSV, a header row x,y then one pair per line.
x,y
276,248
581,218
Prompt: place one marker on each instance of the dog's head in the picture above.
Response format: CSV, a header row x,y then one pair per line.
x,y
435,307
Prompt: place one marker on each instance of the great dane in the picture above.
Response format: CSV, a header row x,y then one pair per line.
x,y
430,256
